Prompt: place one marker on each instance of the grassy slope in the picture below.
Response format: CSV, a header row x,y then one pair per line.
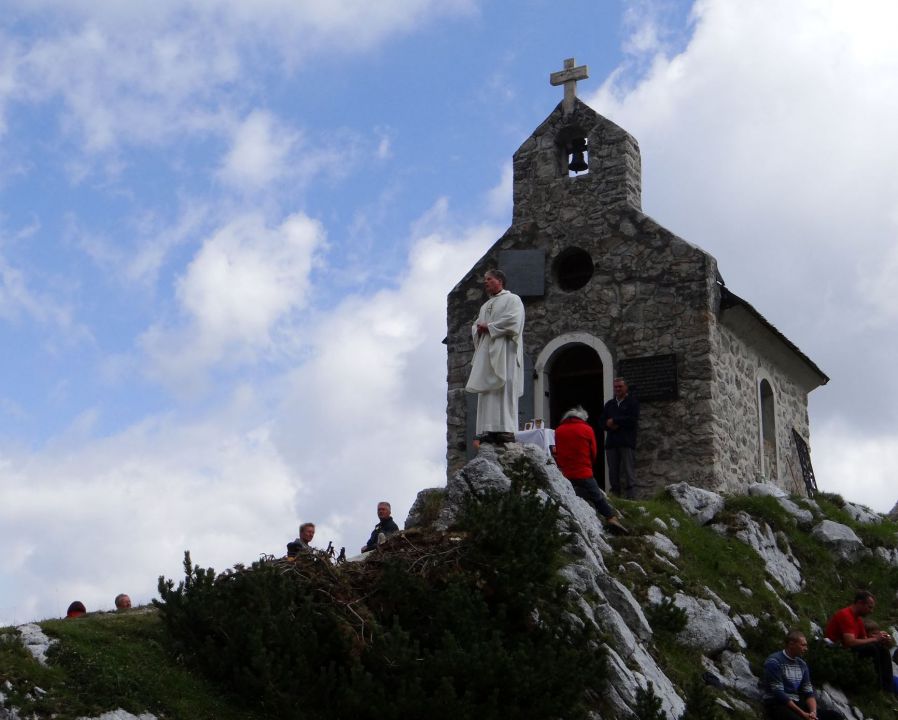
x,y
106,661
726,566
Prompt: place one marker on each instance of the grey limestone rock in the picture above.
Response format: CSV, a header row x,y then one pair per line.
x,y
663,544
602,599
736,675
842,540
862,514
781,564
35,641
483,473
707,628
624,682
701,504
767,489
889,555
424,502
626,605
832,698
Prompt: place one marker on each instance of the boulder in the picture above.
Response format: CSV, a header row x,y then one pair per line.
x,y
781,564
663,544
841,539
862,514
624,682
782,497
427,503
701,504
708,629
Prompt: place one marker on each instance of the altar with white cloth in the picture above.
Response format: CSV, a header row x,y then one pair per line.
x,y
543,437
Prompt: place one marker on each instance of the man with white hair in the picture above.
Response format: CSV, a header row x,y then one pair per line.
x,y
497,370
385,527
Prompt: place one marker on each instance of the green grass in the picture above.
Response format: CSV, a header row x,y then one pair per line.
x,y
726,566
108,661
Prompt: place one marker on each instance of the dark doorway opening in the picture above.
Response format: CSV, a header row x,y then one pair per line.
x,y
575,378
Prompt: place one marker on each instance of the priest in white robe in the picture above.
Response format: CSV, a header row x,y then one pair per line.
x,y
497,372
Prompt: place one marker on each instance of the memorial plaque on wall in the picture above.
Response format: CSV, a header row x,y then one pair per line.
x,y
526,271
651,378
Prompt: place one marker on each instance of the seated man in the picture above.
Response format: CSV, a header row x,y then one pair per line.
x,y
385,527
301,544
786,684
575,452
846,628
122,602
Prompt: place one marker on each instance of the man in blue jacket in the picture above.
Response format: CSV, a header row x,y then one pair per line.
x,y
620,419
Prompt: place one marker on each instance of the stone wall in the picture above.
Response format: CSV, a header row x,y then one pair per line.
x,y
739,366
648,296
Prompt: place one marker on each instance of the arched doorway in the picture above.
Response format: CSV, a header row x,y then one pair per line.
x,y
575,378
574,369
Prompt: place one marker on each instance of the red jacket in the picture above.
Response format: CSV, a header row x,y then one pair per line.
x,y
575,448
845,621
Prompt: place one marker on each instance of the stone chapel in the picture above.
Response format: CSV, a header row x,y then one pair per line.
x,y
609,292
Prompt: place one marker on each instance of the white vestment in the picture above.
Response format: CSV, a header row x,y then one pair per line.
x,y
497,371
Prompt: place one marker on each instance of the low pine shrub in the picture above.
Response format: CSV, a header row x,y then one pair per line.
x,y
475,628
665,617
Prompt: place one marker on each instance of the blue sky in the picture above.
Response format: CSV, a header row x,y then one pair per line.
x,y
227,232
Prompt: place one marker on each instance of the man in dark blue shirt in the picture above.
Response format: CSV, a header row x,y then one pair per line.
x,y
386,526
620,420
786,684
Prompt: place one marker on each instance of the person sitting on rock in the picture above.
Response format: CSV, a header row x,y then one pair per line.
x,y
301,544
387,526
846,628
575,452
122,602
786,684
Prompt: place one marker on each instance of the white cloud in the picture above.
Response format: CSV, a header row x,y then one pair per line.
x,y
259,153
245,280
19,299
861,468
111,515
499,199
147,72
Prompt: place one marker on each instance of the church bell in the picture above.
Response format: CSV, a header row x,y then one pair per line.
x,y
578,162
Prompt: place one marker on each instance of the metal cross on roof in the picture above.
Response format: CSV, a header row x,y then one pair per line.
x,y
569,77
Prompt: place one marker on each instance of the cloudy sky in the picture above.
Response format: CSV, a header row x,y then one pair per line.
x,y
227,231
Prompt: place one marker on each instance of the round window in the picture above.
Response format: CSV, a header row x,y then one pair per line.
x,y
573,268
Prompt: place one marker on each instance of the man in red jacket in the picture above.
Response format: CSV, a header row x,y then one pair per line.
x,y
575,453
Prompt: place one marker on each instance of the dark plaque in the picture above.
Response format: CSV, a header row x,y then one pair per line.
x,y
526,271
651,378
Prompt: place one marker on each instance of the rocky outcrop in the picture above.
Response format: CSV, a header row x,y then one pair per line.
x,y
842,540
701,504
774,550
802,515
599,597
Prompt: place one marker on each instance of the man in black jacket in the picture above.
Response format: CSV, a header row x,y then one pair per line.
x,y
620,419
386,526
